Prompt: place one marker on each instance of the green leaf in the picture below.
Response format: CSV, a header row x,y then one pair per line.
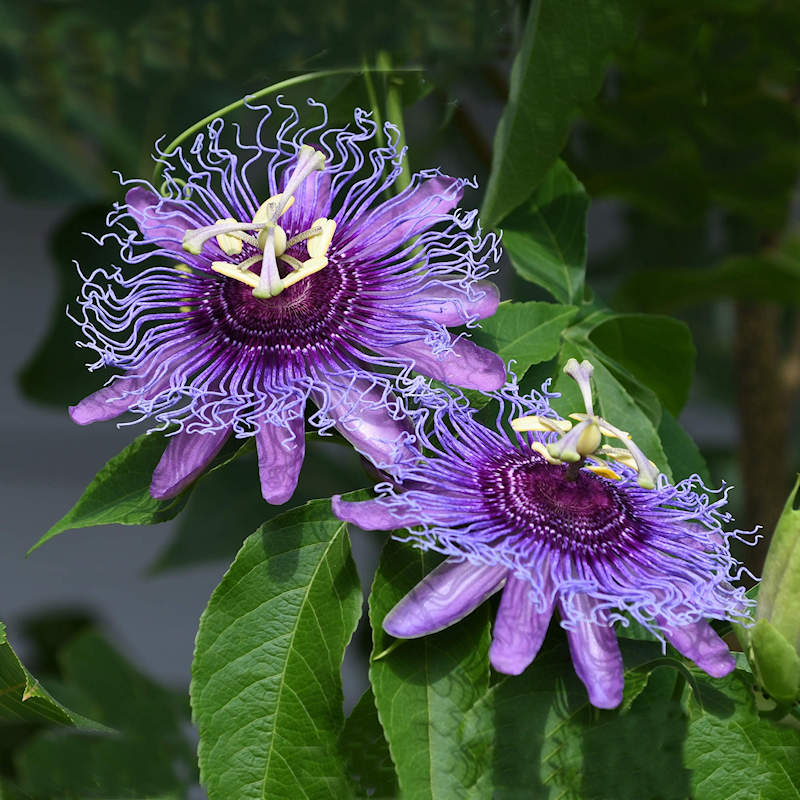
x,y
364,746
230,505
682,453
147,755
733,753
120,492
560,65
528,333
546,238
423,687
266,686
24,699
535,735
656,350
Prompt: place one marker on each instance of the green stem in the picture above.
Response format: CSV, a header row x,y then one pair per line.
x,y
373,101
394,114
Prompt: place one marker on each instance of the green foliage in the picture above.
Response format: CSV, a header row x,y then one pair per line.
x,y
266,685
217,518
145,755
120,492
545,237
732,752
363,743
535,735
424,687
528,333
24,699
560,65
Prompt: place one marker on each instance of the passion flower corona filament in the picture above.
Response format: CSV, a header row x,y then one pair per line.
x,y
279,273
591,541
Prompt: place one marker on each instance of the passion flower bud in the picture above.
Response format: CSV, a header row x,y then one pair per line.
x,y
773,643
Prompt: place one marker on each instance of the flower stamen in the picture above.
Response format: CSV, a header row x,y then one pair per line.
x,y
583,440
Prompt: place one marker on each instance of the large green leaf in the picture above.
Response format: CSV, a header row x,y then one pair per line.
x,y
535,735
24,699
120,492
364,746
560,65
682,453
424,686
146,755
528,333
733,753
266,686
656,350
546,237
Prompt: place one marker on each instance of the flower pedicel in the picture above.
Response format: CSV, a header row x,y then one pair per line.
x,y
555,518
316,288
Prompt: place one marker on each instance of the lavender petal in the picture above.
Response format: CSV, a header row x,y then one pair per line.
x,y
465,365
700,643
280,458
450,305
443,597
595,656
519,629
372,515
186,456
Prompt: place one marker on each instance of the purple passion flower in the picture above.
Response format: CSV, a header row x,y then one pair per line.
x,y
574,533
279,273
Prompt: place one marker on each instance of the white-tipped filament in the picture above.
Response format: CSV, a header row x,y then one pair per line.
x,y
271,239
584,440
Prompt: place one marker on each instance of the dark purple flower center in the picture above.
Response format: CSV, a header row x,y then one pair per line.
x,y
307,318
585,516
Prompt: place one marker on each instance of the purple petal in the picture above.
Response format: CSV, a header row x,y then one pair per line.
x,y
414,210
595,656
186,456
161,221
106,403
280,458
312,201
449,305
372,515
465,365
443,597
519,629
361,414
700,643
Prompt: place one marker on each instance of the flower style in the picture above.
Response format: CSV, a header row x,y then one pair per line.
x,y
534,509
305,285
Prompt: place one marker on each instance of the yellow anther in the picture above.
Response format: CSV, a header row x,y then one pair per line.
x,y
278,239
543,452
589,440
229,244
309,268
233,271
267,209
604,472
180,266
319,243
540,424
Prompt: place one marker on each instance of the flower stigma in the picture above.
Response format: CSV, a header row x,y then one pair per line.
x,y
585,440
270,242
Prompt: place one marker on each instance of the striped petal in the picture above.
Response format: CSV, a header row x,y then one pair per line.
x,y
186,456
280,457
443,597
520,628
